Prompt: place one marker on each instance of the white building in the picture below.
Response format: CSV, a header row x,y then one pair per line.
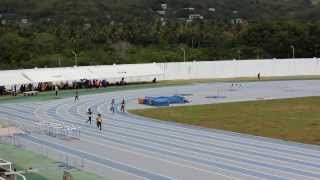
x,y
189,8
164,6
86,26
161,12
24,21
195,16
189,20
212,9
237,21
3,22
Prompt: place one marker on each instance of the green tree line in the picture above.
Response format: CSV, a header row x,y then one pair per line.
x,y
140,41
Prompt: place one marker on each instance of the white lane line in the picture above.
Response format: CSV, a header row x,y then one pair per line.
x,y
63,108
91,141
109,167
238,172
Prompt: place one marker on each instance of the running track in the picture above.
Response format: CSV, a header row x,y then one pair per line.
x,y
131,147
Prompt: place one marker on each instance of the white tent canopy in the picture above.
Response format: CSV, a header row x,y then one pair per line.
x,y
12,77
111,73
105,72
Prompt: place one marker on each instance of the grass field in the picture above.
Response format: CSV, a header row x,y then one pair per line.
x,y
47,169
289,119
49,95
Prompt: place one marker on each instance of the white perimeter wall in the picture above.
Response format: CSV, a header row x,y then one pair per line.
x,y
166,71
243,68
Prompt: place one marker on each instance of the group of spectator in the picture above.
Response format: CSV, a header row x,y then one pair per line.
x,y
2,90
50,86
15,89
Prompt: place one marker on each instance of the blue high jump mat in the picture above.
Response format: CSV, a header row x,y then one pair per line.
x,y
164,100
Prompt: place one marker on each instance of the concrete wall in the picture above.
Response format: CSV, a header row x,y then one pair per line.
x,y
166,71
243,68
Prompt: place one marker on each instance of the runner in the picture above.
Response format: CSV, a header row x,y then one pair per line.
x,y
89,115
99,121
123,102
76,97
112,108
56,89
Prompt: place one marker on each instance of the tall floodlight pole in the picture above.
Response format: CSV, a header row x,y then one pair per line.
x,y
293,51
75,58
184,54
59,61
239,54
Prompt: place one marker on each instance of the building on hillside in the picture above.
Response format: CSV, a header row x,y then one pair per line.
x,y
181,19
212,9
86,26
238,21
3,22
163,21
189,21
164,6
195,16
186,20
189,9
163,9
161,12
8,18
24,21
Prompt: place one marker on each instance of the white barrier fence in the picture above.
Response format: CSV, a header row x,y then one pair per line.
x,y
236,68
166,71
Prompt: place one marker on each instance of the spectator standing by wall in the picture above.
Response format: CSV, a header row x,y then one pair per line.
x,y
76,97
56,88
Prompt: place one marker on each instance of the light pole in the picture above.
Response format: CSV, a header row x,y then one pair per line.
x,y
239,54
184,54
293,51
59,61
75,58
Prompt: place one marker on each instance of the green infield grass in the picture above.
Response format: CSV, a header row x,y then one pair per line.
x,y
295,119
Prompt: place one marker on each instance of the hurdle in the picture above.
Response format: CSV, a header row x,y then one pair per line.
x,y
58,130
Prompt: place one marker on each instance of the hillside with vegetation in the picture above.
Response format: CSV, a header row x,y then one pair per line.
x,y
50,33
100,9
